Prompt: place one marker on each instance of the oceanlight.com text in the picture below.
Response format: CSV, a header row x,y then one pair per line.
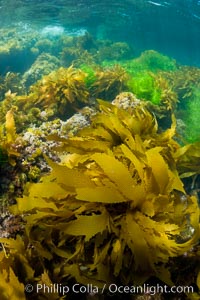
x,y
107,288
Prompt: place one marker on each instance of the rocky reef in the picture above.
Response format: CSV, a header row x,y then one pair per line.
x,y
99,168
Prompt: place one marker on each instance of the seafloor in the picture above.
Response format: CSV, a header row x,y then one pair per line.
x,y
99,169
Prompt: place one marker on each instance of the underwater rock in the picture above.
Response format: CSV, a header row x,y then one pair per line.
x,y
77,121
113,51
15,50
44,64
10,225
126,100
44,45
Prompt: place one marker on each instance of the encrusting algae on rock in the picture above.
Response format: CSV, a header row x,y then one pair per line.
x,y
113,210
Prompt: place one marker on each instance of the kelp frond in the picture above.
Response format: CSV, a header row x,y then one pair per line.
x,y
8,137
61,88
115,208
109,82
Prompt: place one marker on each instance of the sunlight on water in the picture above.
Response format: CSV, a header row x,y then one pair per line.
x,y
52,30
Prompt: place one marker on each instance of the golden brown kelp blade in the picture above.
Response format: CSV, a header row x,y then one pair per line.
x,y
107,214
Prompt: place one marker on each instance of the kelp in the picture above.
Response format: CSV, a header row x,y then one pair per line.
x,y
59,94
61,88
188,160
66,90
8,138
10,286
112,210
109,51
11,81
109,82
147,77
76,56
182,81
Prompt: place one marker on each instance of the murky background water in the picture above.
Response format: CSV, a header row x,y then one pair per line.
x,y
171,27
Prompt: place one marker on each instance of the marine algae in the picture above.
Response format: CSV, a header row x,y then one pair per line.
x,y
8,137
59,89
111,211
109,82
58,94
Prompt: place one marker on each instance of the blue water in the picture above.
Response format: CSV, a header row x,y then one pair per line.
x,y
171,27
